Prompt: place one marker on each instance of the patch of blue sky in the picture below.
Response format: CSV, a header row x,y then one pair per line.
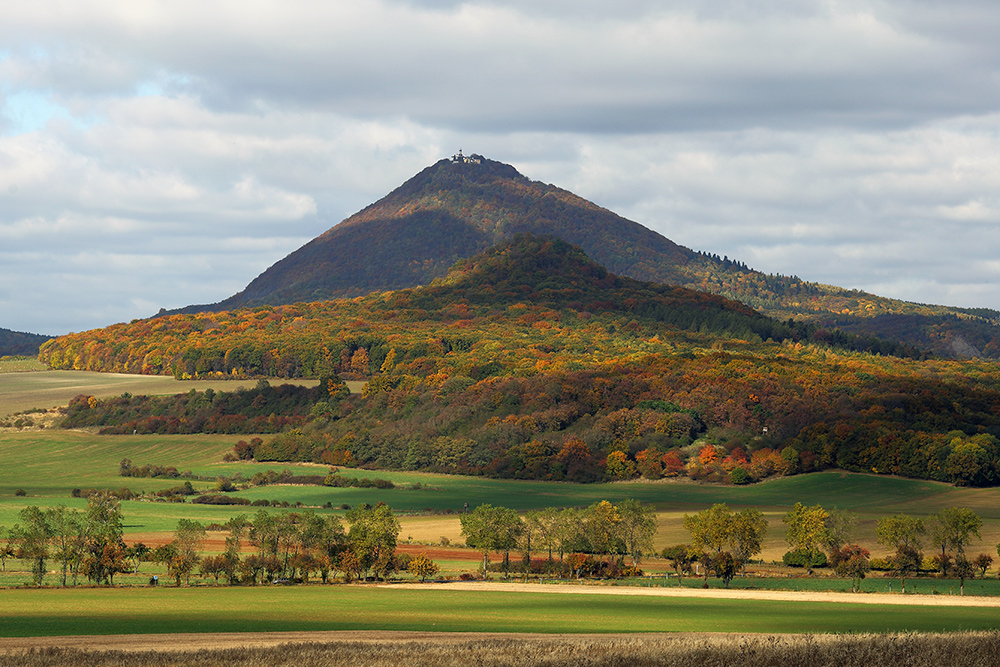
x,y
29,111
149,89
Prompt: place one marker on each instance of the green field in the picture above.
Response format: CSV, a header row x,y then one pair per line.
x,y
47,465
50,463
20,364
164,610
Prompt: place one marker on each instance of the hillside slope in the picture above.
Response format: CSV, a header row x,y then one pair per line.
x,y
19,343
460,206
531,360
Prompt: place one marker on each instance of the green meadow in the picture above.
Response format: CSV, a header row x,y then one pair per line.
x,y
47,465
87,611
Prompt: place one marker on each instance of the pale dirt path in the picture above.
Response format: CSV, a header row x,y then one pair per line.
x,y
715,593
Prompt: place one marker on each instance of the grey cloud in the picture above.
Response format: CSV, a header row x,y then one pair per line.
x,y
518,67
852,143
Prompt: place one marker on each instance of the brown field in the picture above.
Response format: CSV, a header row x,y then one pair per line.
x,y
417,649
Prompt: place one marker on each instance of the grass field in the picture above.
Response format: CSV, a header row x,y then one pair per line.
x,y
50,389
166,610
20,364
47,465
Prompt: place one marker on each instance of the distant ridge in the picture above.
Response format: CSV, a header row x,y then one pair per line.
x,y
13,343
462,205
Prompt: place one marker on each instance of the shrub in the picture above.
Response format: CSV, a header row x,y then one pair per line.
x,y
800,559
740,476
218,499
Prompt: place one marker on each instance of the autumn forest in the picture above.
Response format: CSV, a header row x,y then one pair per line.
x,y
531,361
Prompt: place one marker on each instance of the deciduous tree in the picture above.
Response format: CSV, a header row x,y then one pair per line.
x,y
638,528
423,567
807,531
852,561
373,534
31,540
488,528
902,533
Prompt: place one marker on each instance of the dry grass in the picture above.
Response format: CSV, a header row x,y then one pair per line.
x,y
911,650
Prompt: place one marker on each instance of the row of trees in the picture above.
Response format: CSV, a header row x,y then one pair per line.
x,y
603,530
85,543
723,540
289,545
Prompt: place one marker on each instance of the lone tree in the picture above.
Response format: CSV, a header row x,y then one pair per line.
x,y
902,533
423,567
954,528
807,531
31,540
852,560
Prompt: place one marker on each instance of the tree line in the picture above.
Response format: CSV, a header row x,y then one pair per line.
x,y
602,540
597,538
723,541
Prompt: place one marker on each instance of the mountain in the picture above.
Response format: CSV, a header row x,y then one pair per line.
x,y
524,280
458,207
531,360
18,343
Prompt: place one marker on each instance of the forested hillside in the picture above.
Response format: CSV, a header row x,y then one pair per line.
x,y
529,360
458,207
13,343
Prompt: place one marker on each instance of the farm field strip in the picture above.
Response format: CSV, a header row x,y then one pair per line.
x,y
32,613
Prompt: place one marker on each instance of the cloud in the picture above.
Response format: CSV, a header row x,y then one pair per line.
x,y
158,153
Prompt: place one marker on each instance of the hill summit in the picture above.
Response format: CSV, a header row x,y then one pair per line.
x,y
452,210
462,205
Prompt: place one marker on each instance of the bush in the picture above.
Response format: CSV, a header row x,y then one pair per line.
x,y
880,564
740,476
217,499
800,559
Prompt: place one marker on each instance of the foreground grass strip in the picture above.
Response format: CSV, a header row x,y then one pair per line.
x,y
54,612
958,650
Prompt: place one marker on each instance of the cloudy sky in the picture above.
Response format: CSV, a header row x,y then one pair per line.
x,y
157,154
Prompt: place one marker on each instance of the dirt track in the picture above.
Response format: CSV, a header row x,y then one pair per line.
x,y
197,641
732,594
